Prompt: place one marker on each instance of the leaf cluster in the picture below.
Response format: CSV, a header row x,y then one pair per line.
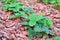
x,y
17,8
38,26
55,3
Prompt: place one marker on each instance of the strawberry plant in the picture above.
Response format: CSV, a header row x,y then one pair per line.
x,y
14,6
55,3
17,8
38,26
9,1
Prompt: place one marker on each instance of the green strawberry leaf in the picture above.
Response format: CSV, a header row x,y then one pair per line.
x,y
37,29
17,15
28,9
57,38
33,17
23,14
32,23
24,23
49,23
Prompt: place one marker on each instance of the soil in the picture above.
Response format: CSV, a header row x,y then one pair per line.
x,y
13,30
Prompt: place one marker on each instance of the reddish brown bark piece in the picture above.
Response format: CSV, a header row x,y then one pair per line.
x,y
9,23
39,1
57,16
25,32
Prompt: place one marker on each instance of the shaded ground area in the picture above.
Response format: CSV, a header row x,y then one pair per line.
x,y
13,30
